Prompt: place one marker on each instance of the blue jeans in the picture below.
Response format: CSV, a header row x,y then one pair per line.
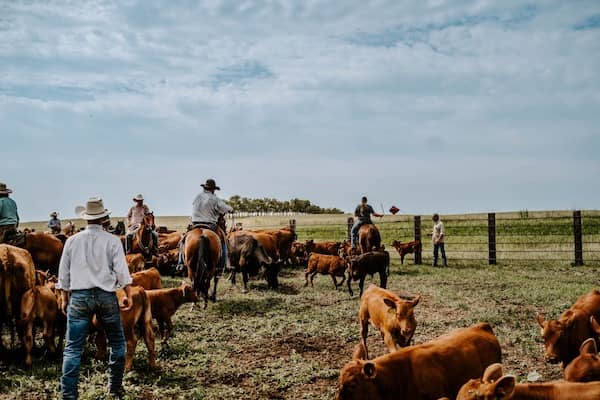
x,y
354,233
436,248
83,304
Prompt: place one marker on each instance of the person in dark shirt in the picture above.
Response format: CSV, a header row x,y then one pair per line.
x,y
362,214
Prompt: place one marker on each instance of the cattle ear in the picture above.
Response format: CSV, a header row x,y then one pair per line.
x,y
588,347
493,373
595,325
390,303
540,319
370,370
415,301
505,387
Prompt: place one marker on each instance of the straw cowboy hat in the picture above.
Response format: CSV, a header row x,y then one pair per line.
x,y
210,185
54,214
94,209
139,197
4,189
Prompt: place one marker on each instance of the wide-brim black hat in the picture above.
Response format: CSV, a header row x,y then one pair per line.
x,y
210,185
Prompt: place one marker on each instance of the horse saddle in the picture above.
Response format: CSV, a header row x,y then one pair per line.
x,y
15,238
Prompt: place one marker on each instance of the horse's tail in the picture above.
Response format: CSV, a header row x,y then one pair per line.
x,y
202,278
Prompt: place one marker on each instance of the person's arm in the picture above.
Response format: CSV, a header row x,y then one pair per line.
x,y
442,233
64,277
121,270
356,212
374,213
223,207
17,214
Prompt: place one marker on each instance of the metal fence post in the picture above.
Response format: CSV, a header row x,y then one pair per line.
x,y
492,238
349,229
418,255
578,238
293,225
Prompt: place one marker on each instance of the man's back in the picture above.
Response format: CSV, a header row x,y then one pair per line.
x,y
8,211
207,208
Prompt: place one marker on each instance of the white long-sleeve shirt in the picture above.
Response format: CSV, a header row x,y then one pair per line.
x,y
91,259
207,208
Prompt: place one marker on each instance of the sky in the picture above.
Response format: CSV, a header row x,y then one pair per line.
x,y
433,106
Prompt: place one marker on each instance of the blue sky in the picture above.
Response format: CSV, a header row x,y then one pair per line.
x,y
448,106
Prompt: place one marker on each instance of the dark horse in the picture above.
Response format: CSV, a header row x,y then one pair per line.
x,y
368,238
143,242
202,252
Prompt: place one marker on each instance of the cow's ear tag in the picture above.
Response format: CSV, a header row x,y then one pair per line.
x,y
370,370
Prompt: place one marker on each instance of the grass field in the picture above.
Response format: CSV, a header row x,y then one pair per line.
x,y
290,344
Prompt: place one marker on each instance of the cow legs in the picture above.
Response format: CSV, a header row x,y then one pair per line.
x,y
390,343
49,336
364,332
335,284
349,282
149,341
402,258
382,279
311,279
131,343
361,284
100,341
342,282
245,279
28,342
169,331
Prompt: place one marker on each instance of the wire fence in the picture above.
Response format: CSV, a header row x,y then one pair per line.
x,y
573,239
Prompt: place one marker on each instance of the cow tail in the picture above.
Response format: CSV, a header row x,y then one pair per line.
x,y
201,281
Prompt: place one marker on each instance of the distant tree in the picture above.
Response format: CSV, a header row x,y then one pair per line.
x,y
245,206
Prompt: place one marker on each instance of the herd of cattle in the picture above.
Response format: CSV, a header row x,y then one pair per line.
x,y
463,364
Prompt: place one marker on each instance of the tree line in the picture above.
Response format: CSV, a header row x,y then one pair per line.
x,y
267,206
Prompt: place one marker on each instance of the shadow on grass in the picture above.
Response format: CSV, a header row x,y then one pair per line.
x,y
246,306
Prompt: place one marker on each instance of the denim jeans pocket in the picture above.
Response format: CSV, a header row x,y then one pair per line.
x,y
108,303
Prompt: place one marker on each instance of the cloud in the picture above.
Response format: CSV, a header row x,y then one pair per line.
x,y
317,99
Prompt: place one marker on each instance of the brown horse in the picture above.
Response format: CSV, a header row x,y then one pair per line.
x,y
45,249
69,229
143,242
202,252
368,238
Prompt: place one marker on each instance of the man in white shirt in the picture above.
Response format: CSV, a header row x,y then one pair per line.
x,y
92,268
438,236
207,208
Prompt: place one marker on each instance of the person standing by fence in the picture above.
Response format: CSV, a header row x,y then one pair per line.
x,y
438,236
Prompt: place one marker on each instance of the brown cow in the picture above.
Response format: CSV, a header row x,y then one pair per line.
x,y
298,254
388,313
17,275
325,265
248,256
427,371
169,241
165,303
135,262
138,317
406,248
148,279
328,248
585,367
283,239
40,305
368,264
563,337
346,249
45,250
496,386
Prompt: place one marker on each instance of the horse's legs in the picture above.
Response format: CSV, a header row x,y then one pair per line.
x,y
213,295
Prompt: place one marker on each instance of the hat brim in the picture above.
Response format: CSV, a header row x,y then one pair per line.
x,y
6,191
210,187
80,211
136,199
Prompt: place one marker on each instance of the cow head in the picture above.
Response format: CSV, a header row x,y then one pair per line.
x,y
309,245
189,295
555,335
403,311
357,381
493,386
586,367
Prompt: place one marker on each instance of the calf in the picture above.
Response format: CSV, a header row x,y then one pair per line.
x,y
165,303
496,386
325,265
137,318
391,315
135,262
368,264
427,371
148,279
563,337
39,305
585,367
298,254
406,248
329,248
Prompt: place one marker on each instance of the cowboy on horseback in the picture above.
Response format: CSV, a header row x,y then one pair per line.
x,y
9,217
207,208
54,223
362,213
135,217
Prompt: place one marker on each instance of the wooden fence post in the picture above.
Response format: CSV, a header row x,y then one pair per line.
x,y
418,255
578,238
293,225
492,238
349,229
